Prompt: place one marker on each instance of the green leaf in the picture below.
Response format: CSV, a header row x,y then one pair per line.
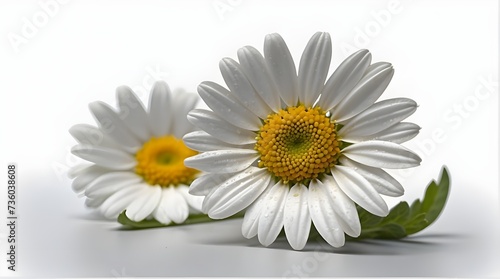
x,y
387,231
418,223
436,196
148,224
415,208
367,219
398,213
404,220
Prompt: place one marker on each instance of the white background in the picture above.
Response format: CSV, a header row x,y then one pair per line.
x,y
56,57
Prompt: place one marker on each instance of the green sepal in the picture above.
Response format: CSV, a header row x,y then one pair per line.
x,y
404,220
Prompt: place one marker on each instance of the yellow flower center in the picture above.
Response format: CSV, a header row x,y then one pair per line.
x,y
161,162
298,143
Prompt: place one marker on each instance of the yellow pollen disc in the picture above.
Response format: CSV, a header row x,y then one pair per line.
x,y
161,162
298,143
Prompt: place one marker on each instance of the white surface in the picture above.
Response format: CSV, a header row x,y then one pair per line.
x,y
445,58
59,238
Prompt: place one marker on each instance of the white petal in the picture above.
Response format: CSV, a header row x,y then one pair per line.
x,y
183,102
241,87
120,200
297,219
76,170
255,68
105,157
132,113
383,182
112,125
227,107
144,205
271,216
378,117
236,193
209,122
94,203
323,215
313,67
202,141
160,118
344,207
345,77
160,213
111,182
86,176
88,134
382,154
249,227
193,201
399,133
174,205
281,67
365,93
223,161
208,201
359,190
202,185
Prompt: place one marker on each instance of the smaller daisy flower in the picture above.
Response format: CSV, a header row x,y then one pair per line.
x,y
295,149
138,156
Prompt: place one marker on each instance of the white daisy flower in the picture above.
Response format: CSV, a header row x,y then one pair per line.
x,y
291,148
138,156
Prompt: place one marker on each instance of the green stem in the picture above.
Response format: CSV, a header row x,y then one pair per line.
x,y
147,224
